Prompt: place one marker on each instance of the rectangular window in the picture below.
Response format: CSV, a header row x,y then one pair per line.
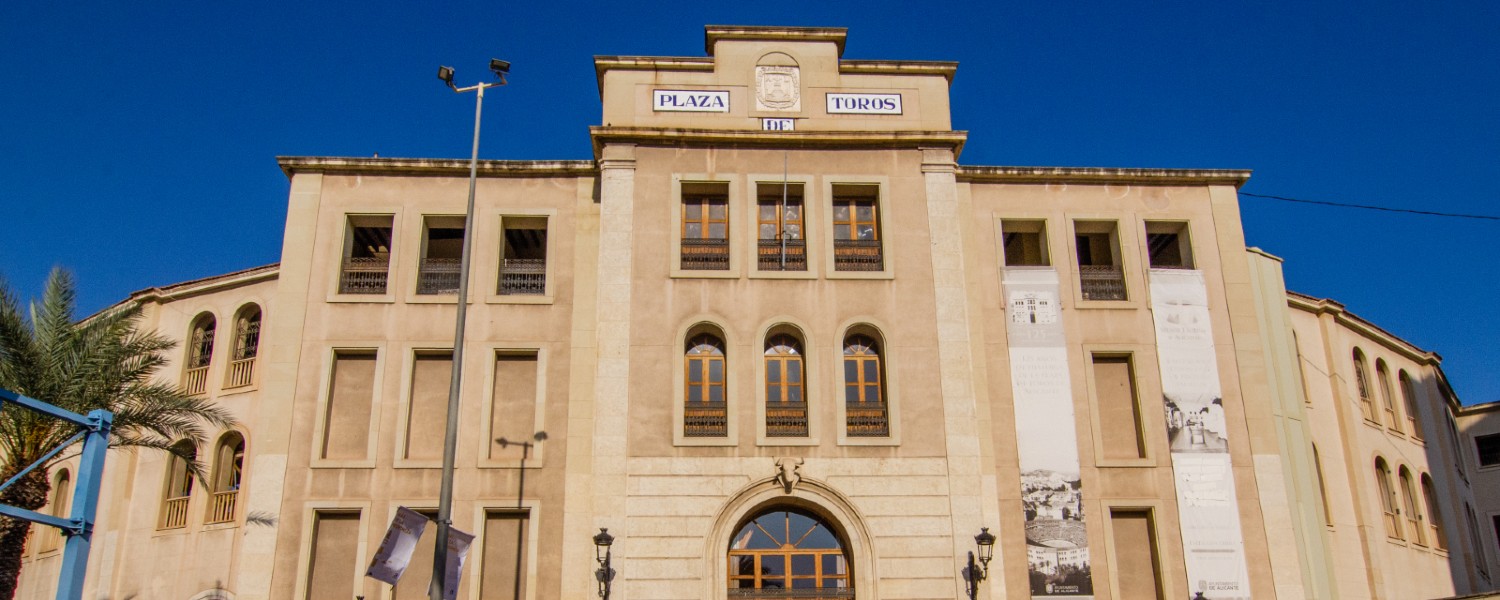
x,y
1167,244
1135,553
346,433
523,261
427,412
781,246
1489,449
506,554
856,229
442,251
367,255
705,227
335,547
513,416
1114,382
1099,273
413,583
1025,243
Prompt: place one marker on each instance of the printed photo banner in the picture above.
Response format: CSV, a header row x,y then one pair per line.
x,y
1194,410
1057,549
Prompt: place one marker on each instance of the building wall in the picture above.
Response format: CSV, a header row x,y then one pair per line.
x,y
1474,422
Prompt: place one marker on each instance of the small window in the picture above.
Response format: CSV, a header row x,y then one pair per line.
x,y
865,406
200,354
1387,396
1387,499
786,402
229,465
705,227
523,261
1409,398
1362,387
779,227
1434,515
706,409
1481,558
367,255
178,487
442,253
1135,553
856,229
1489,449
1099,273
1409,504
1115,393
1167,244
58,506
246,346
1025,243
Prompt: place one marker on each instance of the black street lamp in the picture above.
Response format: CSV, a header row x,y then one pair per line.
x,y
604,573
977,572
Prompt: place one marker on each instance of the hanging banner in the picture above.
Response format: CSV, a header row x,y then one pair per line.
x,y
396,547
1057,549
458,550
1194,405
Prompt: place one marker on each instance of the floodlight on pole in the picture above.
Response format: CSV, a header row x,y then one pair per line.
x,y
450,438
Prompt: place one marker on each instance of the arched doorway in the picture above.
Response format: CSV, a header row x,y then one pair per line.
x,y
788,552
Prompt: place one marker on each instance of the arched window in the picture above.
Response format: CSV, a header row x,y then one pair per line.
x,y
1434,515
706,413
1387,395
786,549
200,350
1409,398
865,409
178,487
1362,386
229,463
1409,504
1387,498
246,346
1322,487
786,403
51,537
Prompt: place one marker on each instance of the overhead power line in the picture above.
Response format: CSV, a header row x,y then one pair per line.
x,y
1367,207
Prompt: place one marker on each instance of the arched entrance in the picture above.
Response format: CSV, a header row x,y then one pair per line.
x,y
789,552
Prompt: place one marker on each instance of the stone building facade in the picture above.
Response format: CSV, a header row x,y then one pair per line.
x,y
778,339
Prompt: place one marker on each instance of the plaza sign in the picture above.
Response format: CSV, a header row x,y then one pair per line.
x,y
690,101
864,104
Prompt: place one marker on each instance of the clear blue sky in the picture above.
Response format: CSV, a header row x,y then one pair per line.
x,y
137,139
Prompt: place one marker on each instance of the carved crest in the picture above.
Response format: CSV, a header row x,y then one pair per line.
x,y
788,473
777,88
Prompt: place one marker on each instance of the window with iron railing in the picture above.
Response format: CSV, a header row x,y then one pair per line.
x,y
442,252
366,263
779,214
706,410
705,233
200,354
865,410
523,260
178,486
229,462
246,347
856,234
786,402
1100,276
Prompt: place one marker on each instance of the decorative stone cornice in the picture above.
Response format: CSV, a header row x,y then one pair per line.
x,y
1357,324
1235,177
291,165
715,33
649,63
660,136
945,69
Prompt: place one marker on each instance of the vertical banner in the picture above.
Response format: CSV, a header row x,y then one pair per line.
x,y
458,550
396,547
1057,547
1193,401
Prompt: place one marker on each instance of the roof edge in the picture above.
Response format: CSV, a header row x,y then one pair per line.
x,y
713,34
1318,306
945,69
1235,177
291,165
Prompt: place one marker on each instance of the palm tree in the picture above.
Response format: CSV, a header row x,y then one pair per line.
x,y
101,362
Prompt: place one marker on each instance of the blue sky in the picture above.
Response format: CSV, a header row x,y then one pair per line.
x,y
138,140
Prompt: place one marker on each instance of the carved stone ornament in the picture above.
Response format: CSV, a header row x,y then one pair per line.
x,y
777,88
788,473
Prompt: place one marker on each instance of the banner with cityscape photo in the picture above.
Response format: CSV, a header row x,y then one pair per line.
x,y
1194,410
1057,547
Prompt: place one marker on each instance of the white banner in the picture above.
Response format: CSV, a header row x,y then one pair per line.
x,y
1194,410
396,547
1057,552
458,550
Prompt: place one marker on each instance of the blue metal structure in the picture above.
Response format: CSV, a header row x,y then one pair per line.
x,y
79,526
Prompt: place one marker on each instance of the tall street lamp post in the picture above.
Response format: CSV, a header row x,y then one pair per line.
x,y
450,437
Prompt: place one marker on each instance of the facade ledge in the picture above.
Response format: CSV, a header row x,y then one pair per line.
x,y
780,139
944,69
1370,330
1235,177
291,165
712,34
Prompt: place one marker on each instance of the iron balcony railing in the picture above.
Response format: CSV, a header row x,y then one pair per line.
x,y
783,255
786,419
364,275
221,510
241,372
858,255
195,381
705,419
705,255
790,594
174,513
438,276
1101,282
523,276
864,420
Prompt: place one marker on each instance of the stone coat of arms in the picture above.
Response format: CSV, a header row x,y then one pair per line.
x,y
777,89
